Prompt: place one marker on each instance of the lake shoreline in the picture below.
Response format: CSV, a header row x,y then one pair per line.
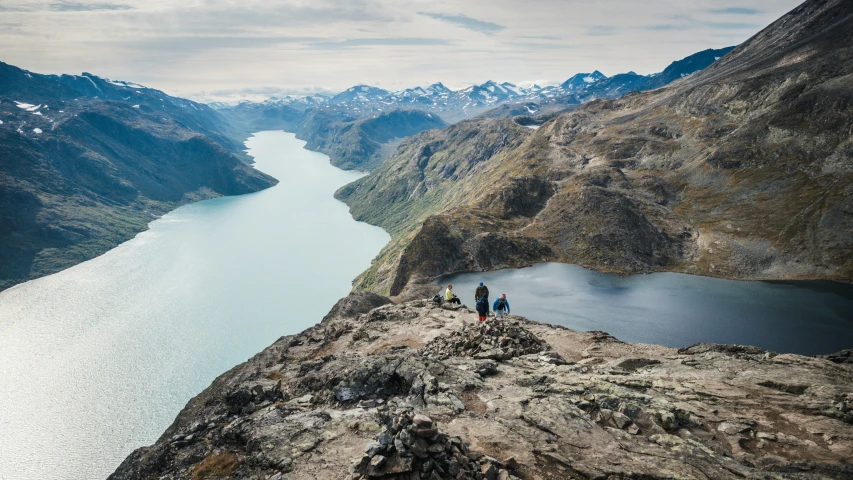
x,y
673,309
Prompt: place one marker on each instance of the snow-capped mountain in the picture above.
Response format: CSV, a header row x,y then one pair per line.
x,y
454,105
361,94
438,89
306,101
581,81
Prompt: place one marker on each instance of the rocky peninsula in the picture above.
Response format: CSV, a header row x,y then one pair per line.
x,y
421,391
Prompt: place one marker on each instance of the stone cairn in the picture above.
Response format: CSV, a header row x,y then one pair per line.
x,y
412,448
494,339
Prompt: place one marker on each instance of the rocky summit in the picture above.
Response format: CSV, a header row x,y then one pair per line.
x,y
423,391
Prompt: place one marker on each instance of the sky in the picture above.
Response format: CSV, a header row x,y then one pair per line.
x,y
233,49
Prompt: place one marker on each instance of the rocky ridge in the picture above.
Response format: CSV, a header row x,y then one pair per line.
x,y
388,391
498,340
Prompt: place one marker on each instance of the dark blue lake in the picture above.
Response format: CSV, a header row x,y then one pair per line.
x,y
674,309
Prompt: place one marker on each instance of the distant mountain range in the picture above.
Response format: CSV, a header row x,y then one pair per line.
x,y
86,163
467,102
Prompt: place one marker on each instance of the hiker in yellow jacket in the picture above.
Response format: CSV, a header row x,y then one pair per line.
x,y
450,296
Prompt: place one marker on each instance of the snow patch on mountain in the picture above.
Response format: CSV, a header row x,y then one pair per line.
x,y
93,82
27,106
120,83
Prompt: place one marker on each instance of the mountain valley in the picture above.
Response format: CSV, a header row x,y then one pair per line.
x,y
717,174
362,126
603,202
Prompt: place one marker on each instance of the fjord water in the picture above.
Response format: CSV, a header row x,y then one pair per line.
x,y
674,309
99,359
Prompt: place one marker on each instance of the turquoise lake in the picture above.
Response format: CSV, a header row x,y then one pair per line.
x,y
98,360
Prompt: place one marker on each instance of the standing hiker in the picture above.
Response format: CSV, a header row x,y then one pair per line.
x,y
482,307
481,301
482,292
501,306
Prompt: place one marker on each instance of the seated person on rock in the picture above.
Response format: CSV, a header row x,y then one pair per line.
x,y
450,296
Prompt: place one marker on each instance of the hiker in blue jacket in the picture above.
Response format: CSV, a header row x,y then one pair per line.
x,y
501,306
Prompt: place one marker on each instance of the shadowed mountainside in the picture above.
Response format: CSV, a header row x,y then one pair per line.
x,y
744,170
353,140
363,143
87,163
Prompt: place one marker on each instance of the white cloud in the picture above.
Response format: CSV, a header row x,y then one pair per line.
x,y
465,21
188,48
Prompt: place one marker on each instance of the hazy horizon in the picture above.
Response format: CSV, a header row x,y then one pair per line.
x,y
226,50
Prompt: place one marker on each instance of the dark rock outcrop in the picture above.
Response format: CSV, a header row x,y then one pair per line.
x,y
356,303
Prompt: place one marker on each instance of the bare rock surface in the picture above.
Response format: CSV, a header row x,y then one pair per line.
x,y
497,339
398,392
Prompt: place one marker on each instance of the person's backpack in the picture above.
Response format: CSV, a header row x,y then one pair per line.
x,y
501,304
437,299
482,305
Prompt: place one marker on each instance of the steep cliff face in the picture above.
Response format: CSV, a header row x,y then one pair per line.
x,y
419,391
85,169
363,143
743,170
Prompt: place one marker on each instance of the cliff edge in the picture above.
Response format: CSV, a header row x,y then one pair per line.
x,y
417,391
